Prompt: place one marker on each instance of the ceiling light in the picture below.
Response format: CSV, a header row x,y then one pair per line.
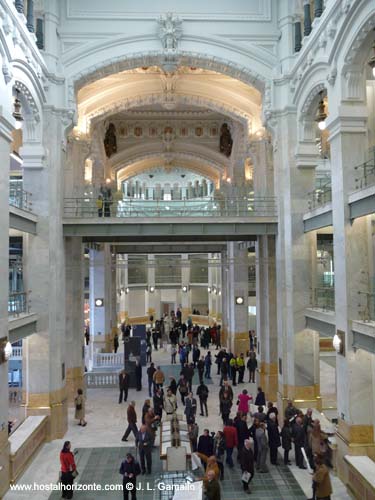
x,y
127,290
99,302
229,180
108,180
239,301
209,289
152,289
219,292
185,288
322,115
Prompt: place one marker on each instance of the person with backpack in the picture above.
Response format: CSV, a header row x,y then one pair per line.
x,y
202,393
129,470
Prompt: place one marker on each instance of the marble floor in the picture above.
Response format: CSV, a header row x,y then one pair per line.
x,y
106,423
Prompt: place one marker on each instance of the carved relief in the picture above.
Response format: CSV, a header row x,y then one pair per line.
x,y
110,141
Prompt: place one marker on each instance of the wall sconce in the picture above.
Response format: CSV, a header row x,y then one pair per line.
x,y
219,292
127,290
339,342
185,288
209,289
214,290
151,289
322,115
99,302
240,301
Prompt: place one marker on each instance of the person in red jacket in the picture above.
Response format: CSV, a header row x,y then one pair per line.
x,y
231,440
68,470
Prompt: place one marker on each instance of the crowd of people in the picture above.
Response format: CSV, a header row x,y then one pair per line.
x,y
252,429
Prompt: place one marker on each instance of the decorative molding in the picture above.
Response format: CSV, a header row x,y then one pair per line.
x,y
313,93
21,87
352,55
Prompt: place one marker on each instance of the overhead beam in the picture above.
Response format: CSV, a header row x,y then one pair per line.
x,y
22,220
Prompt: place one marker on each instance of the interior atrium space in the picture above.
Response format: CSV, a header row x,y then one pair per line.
x,y
187,249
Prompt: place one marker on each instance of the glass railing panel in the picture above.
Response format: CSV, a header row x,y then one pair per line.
x,y
323,298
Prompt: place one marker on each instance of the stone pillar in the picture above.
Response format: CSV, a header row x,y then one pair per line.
x,y
224,299
354,370
30,16
74,276
297,36
185,281
263,178
5,140
307,17
298,348
267,315
238,331
46,358
77,152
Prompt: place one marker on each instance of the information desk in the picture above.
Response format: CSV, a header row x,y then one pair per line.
x,y
174,433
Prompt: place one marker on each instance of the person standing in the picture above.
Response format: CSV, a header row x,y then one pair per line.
x,y
212,487
158,402
206,443
273,438
68,470
190,408
286,440
202,393
241,367
321,479
138,374
223,371
247,465
143,442
299,438
225,407
231,441
148,352
150,378
123,382
260,400
252,365
170,403
159,378
132,422
244,399
272,409
200,366
79,403
207,364
193,431
196,355
115,343
233,369
173,354
219,450
291,411
262,443
129,470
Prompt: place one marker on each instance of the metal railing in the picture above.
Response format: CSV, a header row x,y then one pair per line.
x,y
323,298
320,196
18,303
20,198
366,306
227,207
365,173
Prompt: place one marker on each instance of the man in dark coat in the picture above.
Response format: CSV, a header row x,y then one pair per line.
x,y
202,393
252,364
158,402
273,438
150,377
123,382
196,355
138,375
243,433
144,444
190,408
200,366
247,464
206,443
299,437
132,422
212,487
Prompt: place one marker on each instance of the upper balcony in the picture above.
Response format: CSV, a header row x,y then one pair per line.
x,y
21,216
362,199
319,206
137,220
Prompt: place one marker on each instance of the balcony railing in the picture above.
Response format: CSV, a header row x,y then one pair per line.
x,y
20,198
228,207
18,303
366,306
365,173
320,196
323,298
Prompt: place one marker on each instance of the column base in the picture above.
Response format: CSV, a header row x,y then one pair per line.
x,y
74,381
4,462
241,343
306,396
352,440
55,406
268,380
224,337
185,313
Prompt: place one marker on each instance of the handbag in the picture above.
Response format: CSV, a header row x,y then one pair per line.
x,y
246,476
75,473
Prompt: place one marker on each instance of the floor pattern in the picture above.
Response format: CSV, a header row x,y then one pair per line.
x,y
101,466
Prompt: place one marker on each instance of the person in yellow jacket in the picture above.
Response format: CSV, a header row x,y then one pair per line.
x,y
241,367
233,369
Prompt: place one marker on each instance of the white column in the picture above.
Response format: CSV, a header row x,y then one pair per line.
x,y
185,281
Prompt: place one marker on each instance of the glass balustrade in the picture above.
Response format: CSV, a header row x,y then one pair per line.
x,y
226,207
320,196
18,197
17,303
323,297
365,173
366,306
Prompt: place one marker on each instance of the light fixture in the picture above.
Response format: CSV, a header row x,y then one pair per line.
x,y
152,289
8,351
371,61
338,342
229,180
185,288
209,289
17,111
99,302
219,292
239,301
322,115
127,290
108,180
214,290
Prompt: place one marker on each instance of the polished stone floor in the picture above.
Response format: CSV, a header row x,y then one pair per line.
x,y
100,441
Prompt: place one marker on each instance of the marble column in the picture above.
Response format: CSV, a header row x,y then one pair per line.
x,y
267,315
77,152
46,358
298,348
74,276
307,17
354,369
5,140
30,15
224,270
238,331
185,281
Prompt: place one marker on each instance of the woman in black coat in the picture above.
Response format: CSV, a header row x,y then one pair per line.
x,y
260,400
252,431
273,438
286,440
247,464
